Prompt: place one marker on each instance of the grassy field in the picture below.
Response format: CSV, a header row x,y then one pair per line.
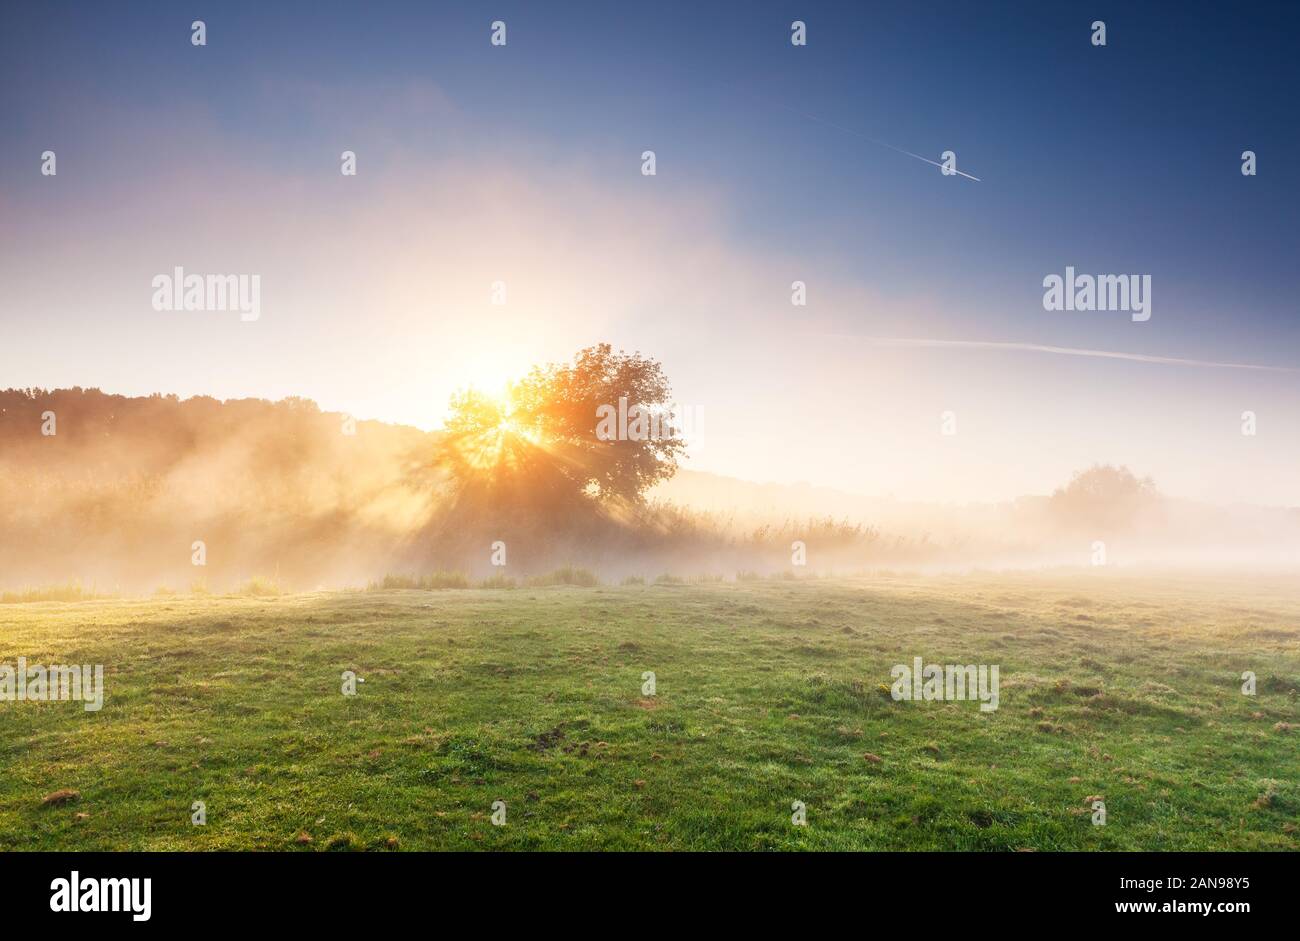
x,y
1116,687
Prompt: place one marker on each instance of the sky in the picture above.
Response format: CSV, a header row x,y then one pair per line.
x,y
522,164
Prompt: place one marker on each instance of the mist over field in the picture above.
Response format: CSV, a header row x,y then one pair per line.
x,y
119,494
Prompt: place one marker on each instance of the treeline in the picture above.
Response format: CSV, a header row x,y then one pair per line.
x,y
117,493
116,490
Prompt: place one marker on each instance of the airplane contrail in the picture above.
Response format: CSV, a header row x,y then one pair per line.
x,y
878,143
1060,350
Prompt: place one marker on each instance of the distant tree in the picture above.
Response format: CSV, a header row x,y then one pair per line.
x,y
542,441
1104,498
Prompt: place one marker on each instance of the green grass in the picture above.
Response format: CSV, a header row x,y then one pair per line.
x,y
767,692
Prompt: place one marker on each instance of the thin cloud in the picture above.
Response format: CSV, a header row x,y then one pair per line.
x,y
1059,350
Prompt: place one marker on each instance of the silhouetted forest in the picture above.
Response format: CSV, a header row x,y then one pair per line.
x,y
123,488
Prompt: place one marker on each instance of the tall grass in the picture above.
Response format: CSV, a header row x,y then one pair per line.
x,y
69,591
431,582
568,575
259,586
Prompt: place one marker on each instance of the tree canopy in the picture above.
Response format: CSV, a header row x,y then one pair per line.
x,y
1104,498
549,437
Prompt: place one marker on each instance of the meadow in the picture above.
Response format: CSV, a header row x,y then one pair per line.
x,y
1117,687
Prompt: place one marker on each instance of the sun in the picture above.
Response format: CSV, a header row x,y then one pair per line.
x,y
510,424
513,427
494,435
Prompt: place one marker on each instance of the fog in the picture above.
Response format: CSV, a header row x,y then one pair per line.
x,y
120,491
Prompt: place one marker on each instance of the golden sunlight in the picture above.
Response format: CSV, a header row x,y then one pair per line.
x,y
492,434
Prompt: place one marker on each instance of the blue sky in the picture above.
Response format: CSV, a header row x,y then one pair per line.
x,y
1122,159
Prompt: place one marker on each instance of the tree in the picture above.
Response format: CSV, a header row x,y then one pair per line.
x,y
1104,498
542,443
